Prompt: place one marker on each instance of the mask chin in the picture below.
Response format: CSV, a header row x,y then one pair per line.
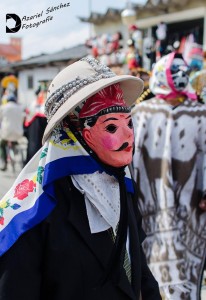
x,y
180,81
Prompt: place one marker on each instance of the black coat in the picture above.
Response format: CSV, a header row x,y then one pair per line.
x,y
60,259
34,134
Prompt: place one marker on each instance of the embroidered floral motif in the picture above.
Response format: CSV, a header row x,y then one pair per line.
x,y
5,204
67,137
15,206
71,136
34,178
44,153
24,188
64,139
39,178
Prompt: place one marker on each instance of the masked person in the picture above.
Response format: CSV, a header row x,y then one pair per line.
x,y
11,126
169,167
70,226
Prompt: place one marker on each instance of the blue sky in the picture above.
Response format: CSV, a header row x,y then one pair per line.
x,y
63,31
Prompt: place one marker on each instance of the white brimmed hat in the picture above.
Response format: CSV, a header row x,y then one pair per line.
x,y
78,82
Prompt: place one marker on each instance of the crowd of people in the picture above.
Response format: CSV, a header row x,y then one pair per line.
x,y
113,205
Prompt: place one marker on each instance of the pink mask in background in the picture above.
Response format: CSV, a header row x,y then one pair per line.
x,y
112,138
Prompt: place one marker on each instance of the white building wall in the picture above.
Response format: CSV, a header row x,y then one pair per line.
x,y
25,95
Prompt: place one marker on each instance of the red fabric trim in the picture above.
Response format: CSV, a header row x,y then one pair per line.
x,y
28,123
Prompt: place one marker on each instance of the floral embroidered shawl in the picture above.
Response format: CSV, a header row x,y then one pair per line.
x,y
32,197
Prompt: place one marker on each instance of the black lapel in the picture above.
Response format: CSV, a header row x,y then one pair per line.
x,y
134,248
100,244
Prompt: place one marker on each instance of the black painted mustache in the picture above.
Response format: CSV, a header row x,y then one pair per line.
x,y
124,146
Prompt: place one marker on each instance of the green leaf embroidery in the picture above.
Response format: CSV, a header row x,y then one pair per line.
x,y
1,212
44,153
7,204
39,174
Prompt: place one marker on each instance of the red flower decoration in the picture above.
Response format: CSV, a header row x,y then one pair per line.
x,y
1,220
24,188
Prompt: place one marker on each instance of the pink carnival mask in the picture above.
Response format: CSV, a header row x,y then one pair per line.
x,y
112,138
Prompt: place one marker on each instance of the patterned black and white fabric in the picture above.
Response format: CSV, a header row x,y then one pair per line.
x,y
170,171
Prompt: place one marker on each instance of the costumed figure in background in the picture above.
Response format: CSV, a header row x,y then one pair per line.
x,y
136,36
133,58
70,226
9,85
11,121
11,117
198,82
36,122
194,57
170,171
149,52
161,43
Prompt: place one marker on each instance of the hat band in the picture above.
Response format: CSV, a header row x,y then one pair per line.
x,y
62,94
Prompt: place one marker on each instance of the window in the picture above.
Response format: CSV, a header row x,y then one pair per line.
x,y
30,82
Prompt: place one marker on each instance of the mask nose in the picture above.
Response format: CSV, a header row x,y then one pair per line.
x,y
128,133
181,74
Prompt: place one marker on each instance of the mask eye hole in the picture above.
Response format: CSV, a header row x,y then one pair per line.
x,y
130,124
174,68
111,128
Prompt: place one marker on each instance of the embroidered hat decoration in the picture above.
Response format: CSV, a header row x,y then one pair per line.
x,y
78,82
